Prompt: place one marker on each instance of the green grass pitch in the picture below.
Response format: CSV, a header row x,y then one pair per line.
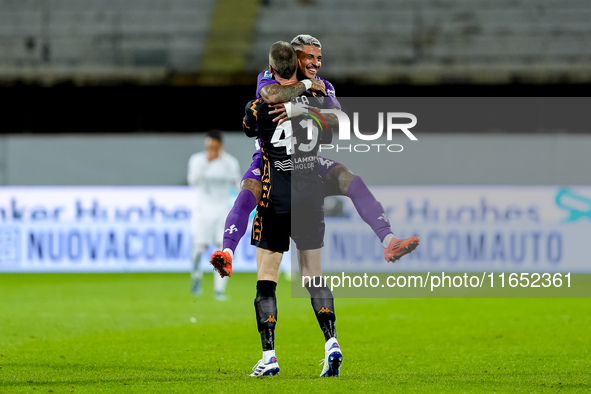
x,y
135,333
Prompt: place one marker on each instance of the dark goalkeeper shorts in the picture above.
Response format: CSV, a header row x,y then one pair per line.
x,y
272,231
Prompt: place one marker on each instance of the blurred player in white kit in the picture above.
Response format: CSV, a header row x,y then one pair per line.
x,y
213,173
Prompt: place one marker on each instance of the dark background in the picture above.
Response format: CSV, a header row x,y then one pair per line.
x,y
71,109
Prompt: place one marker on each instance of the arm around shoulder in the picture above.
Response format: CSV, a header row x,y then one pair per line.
x,y
275,93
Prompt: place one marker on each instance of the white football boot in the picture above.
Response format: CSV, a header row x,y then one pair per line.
x,y
269,369
332,361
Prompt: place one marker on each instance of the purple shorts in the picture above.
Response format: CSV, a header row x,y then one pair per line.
x,y
254,171
325,165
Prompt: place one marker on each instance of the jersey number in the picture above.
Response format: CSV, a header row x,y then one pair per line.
x,y
283,136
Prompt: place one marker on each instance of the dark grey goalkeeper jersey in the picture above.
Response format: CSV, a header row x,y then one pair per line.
x,y
290,156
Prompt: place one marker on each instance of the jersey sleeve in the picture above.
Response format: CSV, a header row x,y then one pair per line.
x,y
264,78
331,98
250,120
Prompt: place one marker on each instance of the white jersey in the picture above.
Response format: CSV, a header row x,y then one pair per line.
x,y
213,180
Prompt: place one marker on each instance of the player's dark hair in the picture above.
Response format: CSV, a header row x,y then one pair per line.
x,y
302,40
283,59
215,134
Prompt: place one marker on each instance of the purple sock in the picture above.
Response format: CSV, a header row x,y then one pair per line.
x,y
237,219
370,209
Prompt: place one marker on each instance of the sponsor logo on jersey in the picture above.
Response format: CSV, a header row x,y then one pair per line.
x,y
324,310
384,217
231,230
268,75
330,93
285,165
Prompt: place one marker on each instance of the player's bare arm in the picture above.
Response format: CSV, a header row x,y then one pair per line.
x,y
275,93
282,116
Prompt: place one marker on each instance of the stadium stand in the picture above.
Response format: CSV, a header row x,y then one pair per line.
x,y
134,39
371,41
433,40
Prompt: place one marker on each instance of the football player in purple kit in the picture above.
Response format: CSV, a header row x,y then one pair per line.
x,y
338,179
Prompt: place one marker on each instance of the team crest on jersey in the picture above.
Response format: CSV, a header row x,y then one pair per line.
x,y
325,162
268,75
256,172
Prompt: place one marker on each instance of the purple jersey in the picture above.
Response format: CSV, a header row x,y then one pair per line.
x,y
266,78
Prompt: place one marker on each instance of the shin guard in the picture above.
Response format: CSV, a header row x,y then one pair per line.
x,y
265,305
